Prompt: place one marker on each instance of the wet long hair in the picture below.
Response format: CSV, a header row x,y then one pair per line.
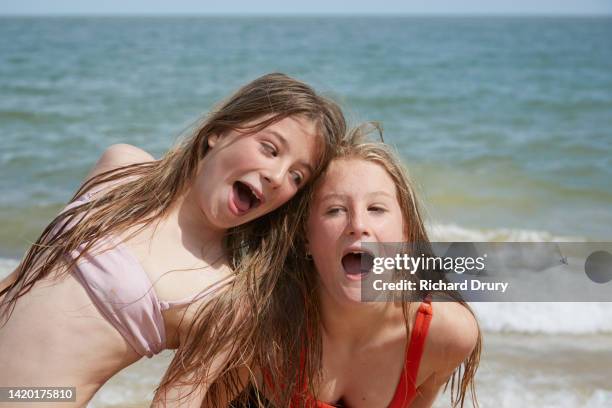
x,y
293,360
143,193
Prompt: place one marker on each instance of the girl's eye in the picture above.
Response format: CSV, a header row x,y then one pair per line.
x,y
269,149
377,209
297,177
334,211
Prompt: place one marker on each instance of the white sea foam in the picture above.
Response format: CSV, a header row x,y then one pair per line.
x,y
545,317
509,391
7,265
530,317
456,233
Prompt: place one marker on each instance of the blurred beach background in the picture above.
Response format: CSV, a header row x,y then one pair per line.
x,y
505,124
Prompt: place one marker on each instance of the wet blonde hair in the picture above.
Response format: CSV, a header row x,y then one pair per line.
x,y
148,190
297,306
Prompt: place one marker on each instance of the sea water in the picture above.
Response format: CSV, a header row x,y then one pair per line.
x,y
503,123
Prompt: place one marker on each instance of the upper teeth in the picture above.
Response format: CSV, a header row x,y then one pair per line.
x,y
251,189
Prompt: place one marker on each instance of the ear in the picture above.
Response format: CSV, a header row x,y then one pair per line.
x,y
212,140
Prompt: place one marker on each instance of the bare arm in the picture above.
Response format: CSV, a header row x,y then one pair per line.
x,y
186,391
451,341
192,396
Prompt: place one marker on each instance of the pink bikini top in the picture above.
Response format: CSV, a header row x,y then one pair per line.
x,y
122,291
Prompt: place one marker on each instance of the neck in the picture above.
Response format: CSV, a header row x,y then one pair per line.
x,y
194,230
357,323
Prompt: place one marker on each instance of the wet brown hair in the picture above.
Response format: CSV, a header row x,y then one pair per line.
x,y
143,193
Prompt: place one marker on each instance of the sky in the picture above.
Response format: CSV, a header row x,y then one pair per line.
x,y
270,7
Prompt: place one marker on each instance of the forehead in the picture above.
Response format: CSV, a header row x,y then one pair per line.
x,y
300,134
296,127
355,178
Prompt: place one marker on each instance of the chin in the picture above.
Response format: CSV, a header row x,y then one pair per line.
x,y
353,296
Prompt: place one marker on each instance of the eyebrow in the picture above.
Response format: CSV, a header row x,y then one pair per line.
x,y
343,196
333,195
285,144
380,192
280,137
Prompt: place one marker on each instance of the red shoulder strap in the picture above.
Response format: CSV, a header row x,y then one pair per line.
x,y
406,389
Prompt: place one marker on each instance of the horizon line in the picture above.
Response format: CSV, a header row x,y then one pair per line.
x,y
313,14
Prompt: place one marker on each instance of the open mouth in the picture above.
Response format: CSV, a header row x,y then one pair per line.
x,y
357,264
244,198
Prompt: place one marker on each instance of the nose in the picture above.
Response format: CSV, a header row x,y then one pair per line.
x,y
274,176
358,225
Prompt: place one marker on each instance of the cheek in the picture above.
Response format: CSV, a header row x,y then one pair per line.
x,y
322,238
314,240
399,233
394,232
287,193
277,201
208,203
310,238
242,156
208,193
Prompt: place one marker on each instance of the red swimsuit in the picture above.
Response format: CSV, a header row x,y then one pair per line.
x,y
406,390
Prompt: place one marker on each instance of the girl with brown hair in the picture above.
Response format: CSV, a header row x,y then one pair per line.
x,y
177,253
336,350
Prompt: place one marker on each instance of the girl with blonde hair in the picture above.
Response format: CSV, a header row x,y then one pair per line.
x,y
177,253
332,349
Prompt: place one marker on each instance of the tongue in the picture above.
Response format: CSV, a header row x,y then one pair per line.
x,y
243,197
352,264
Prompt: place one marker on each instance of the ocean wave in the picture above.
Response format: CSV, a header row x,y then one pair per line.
x,y
529,317
508,390
7,266
456,233
545,317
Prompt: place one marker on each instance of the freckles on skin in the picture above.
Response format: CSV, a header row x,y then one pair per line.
x,y
355,202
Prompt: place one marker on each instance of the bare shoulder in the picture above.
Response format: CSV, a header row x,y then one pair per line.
x,y
119,155
453,334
